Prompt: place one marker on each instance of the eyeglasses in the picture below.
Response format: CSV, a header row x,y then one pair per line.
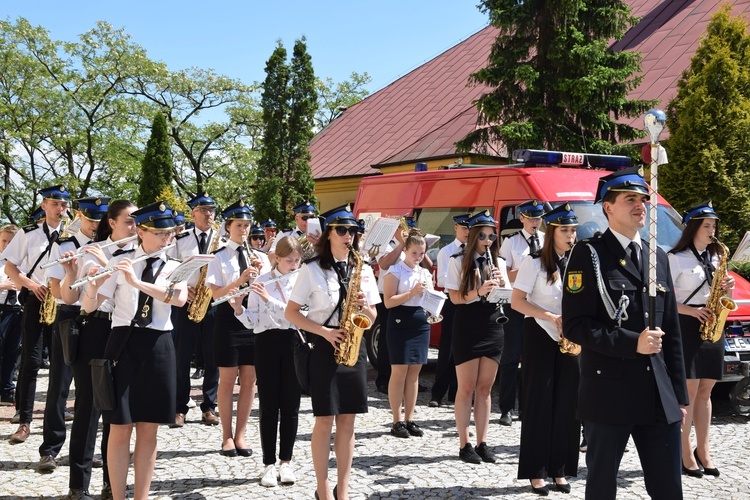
x,y
207,211
256,237
484,236
342,230
306,217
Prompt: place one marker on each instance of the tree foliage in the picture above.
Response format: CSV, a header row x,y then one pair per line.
x,y
334,98
555,82
156,169
709,124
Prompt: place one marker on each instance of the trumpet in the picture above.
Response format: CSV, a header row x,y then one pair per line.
x,y
82,251
246,290
111,270
502,318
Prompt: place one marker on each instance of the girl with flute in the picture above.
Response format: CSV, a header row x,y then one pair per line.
x,y
477,331
115,225
275,339
338,392
234,267
549,378
144,377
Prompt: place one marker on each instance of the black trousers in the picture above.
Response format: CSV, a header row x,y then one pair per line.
x,y
31,357
279,392
384,359
187,335
445,371
94,334
60,376
659,449
10,346
549,431
508,370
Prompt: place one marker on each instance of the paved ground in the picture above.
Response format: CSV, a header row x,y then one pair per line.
x,y
190,467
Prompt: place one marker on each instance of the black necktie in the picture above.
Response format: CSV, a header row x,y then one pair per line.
x,y
708,266
144,313
480,266
202,243
463,245
241,259
562,263
53,236
120,251
634,251
341,268
533,243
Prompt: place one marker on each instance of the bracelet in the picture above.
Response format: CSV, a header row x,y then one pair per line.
x,y
169,292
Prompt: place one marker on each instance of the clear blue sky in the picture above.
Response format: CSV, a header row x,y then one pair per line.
x,y
386,38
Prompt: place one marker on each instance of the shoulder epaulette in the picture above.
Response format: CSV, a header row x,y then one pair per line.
x,y
182,235
218,250
458,254
29,228
69,239
594,239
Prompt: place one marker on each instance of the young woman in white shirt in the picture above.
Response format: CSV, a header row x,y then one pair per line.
x,y
549,378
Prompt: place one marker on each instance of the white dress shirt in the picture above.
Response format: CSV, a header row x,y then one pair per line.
x,y
408,278
443,258
296,232
89,261
516,247
687,274
532,279
4,293
453,281
58,271
261,316
26,247
225,268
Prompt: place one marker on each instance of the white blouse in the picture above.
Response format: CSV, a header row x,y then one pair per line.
x,y
408,278
319,290
687,274
453,280
261,316
225,268
532,279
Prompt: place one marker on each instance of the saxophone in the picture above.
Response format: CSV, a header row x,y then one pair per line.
x,y
353,321
199,306
718,302
48,308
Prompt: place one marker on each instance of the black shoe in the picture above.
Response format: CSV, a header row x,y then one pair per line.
x,y
382,388
198,373
45,363
399,430
506,419
562,487
245,452
543,491
75,494
484,452
434,403
107,492
692,472
232,452
414,429
711,472
97,463
584,445
336,492
469,455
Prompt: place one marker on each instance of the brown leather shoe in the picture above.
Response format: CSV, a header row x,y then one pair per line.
x,y
179,421
21,434
209,418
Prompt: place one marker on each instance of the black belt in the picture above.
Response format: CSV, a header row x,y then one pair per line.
x,y
98,314
68,309
9,308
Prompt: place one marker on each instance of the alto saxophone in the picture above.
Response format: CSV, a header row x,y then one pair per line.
x,y
719,303
353,321
48,308
199,306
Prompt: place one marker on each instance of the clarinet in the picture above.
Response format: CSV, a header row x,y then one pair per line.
x,y
502,318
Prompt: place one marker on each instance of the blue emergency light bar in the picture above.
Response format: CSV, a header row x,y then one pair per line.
x,y
539,157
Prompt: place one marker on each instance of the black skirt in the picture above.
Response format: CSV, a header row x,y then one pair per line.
x,y
336,389
703,359
145,376
234,345
408,335
476,333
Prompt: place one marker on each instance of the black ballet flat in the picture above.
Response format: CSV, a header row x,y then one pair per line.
x,y
316,495
229,453
245,452
336,492
692,472
562,487
711,472
543,491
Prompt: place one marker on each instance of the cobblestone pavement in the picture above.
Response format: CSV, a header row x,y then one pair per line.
x,y
189,466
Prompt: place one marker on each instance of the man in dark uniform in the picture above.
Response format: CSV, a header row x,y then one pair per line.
x,y
632,378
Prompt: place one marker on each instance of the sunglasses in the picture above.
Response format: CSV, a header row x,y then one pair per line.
x,y
342,230
256,237
306,217
484,236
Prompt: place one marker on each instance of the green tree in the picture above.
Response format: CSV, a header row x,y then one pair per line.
x,y
334,98
708,120
156,169
555,82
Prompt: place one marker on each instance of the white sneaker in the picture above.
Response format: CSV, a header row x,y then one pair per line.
x,y
191,403
269,477
286,473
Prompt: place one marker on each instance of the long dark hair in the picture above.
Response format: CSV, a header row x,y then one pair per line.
x,y
470,278
548,255
323,248
104,231
688,235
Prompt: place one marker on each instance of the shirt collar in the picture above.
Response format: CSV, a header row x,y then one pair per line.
x,y
625,241
527,235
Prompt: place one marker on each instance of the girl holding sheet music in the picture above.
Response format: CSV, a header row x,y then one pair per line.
x,y
549,430
477,330
408,332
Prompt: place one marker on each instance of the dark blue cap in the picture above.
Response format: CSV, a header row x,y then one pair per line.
x,y
627,180
157,215
482,219
179,218
93,207
268,223
561,216
202,200
304,208
462,220
339,216
237,210
56,192
532,209
703,210
256,230
410,222
37,214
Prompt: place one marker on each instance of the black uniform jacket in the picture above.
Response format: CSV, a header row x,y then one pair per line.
x,y
618,385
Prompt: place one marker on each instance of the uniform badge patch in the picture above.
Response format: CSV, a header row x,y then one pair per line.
x,y
575,281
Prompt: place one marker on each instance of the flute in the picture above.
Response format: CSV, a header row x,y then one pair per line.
x,y
81,251
110,270
246,290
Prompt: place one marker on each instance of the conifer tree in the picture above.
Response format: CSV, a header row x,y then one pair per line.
x,y
156,167
708,120
555,82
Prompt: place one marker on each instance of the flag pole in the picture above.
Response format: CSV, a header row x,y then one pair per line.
x,y
654,122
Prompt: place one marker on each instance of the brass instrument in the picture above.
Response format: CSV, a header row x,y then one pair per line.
x,y
48,309
198,308
308,251
719,303
502,318
353,321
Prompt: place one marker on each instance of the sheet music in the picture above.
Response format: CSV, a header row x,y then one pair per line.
x,y
313,227
380,234
188,267
432,301
500,295
742,254
369,218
